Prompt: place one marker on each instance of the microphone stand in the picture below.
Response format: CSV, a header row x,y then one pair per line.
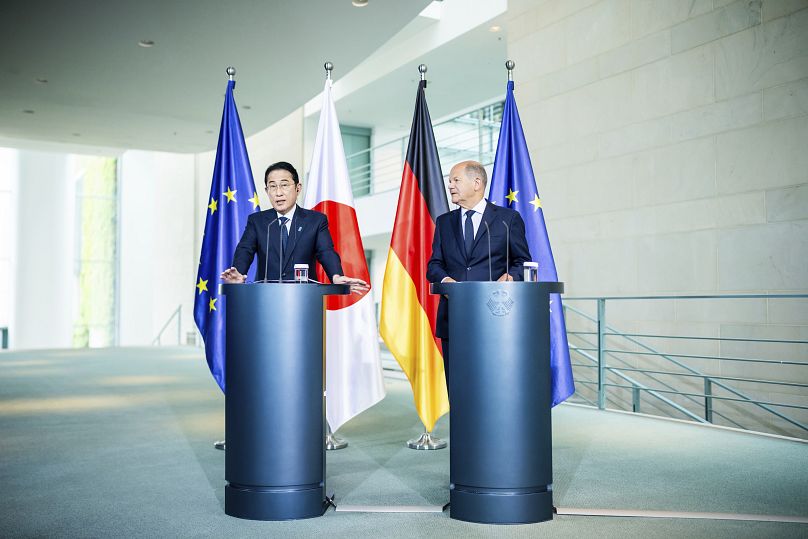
x,y
507,246
280,245
488,229
266,260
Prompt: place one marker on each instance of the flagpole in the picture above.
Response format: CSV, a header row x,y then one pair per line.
x,y
332,441
231,75
425,442
509,65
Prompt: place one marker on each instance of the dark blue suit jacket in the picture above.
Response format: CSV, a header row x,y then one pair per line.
x,y
449,254
309,241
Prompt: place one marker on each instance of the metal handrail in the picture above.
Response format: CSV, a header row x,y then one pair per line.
x,y
696,338
708,379
635,403
710,395
722,296
696,356
671,389
712,376
176,314
605,330
650,391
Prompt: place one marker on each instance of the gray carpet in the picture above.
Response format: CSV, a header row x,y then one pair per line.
x,y
118,442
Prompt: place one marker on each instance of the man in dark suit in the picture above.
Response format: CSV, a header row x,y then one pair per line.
x,y
301,235
460,248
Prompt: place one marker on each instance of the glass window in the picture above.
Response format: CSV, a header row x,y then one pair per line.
x,y
356,141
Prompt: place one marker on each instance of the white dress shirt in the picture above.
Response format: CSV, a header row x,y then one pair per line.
x,y
289,215
476,217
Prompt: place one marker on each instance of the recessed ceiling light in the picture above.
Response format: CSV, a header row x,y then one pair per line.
x,y
41,80
28,111
146,43
495,28
359,3
246,107
76,134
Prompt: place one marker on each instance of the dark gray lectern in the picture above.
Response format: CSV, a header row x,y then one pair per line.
x,y
274,406
499,335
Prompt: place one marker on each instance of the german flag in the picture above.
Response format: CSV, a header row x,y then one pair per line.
x,y
408,311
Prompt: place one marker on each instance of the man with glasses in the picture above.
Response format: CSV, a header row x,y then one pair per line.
x,y
301,235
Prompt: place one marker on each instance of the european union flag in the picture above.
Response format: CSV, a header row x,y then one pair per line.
x,y
232,199
513,185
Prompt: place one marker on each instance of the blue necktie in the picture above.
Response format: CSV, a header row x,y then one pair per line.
x,y
468,235
284,232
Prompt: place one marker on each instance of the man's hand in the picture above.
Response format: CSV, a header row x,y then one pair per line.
x,y
505,277
358,286
232,276
448,280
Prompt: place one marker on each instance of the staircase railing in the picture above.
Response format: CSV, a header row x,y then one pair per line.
x,y
629,357
158,340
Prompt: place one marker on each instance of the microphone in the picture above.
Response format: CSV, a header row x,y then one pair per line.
x,y
266,260
488,229
507,246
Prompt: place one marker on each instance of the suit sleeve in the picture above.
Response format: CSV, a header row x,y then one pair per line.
x,y
436,267
246,248
324,250
520,252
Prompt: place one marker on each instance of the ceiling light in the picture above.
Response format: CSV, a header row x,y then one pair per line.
x,y
359,3
41,80
495,28
246,107
28,111
145,43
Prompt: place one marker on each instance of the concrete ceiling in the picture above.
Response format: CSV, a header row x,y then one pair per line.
x,y
464,72
104,89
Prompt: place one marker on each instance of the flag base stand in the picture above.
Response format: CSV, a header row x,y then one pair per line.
x,y
426,442
333,443
219,445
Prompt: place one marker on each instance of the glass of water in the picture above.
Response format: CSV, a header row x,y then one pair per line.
x,y
531,272
301,273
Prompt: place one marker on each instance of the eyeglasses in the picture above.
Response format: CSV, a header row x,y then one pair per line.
x,y
285,187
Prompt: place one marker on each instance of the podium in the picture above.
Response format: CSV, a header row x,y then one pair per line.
x,y
500,450
274,402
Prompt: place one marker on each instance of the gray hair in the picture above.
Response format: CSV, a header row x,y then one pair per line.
x,y
474,168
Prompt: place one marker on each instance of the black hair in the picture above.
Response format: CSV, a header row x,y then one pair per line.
x,y
281,165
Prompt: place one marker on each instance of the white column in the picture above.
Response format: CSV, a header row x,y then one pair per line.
x,y
45,284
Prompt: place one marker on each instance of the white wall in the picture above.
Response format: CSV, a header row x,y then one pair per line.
x,y
157,244
44,277
668,138
282,141
9,171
